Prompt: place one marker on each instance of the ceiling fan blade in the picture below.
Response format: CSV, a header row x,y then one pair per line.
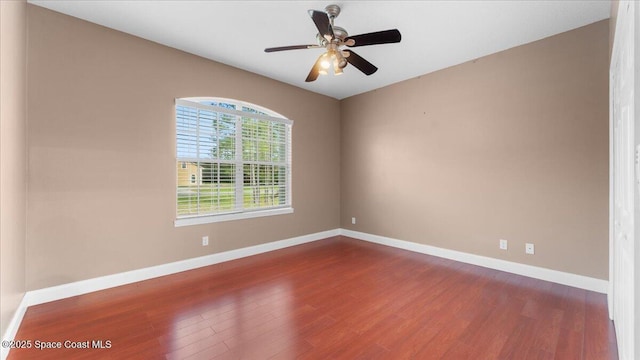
x,y
374,38
292,47
315,70
360,63
321,19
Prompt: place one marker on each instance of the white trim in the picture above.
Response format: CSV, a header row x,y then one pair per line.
x,y
610,294
54,293
40,296
86,286
239,162
197,220
192,102
12,329
564,278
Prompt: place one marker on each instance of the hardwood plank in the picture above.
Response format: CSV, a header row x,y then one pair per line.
x,y
335,298
599,336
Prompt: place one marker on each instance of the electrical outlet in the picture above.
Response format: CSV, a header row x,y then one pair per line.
x,y
503,244
353,220
205,241
529,248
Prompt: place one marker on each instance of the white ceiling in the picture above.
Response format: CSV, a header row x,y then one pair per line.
x,y
435,34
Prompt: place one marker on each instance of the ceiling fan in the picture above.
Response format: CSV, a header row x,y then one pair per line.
x,y
332,37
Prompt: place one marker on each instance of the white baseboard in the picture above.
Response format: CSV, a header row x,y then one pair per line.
x,y
12,329
564,278
41,296
86,286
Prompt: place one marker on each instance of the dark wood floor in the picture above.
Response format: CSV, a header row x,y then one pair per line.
x,y
337,298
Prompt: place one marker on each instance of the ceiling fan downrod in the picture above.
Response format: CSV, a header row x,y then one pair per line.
x,y
333,11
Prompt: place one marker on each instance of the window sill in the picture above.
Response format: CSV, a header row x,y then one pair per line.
x,y
197,220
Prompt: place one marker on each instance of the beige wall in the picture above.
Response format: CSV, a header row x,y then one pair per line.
x,y
513,145
13,26
102,170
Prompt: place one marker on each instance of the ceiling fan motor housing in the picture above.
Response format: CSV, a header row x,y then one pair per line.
x,y
340,33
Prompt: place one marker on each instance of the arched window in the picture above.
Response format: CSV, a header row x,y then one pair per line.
x,y
241,156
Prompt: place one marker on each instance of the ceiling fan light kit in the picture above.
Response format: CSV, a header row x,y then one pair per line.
x,y
331,38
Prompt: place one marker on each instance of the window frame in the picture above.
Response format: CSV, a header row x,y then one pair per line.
x,y
242,213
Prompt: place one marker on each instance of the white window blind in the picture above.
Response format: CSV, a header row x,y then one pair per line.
x,y
233,161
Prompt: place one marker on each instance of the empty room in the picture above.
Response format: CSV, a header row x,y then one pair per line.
x,y
319,180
